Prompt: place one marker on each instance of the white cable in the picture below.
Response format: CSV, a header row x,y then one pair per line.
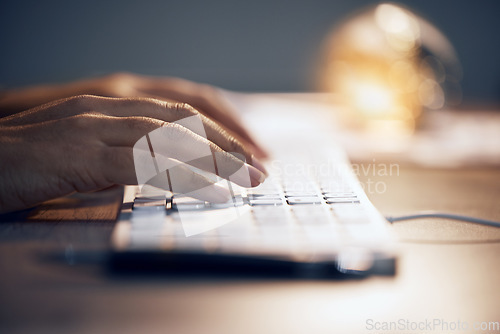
x,y
434,214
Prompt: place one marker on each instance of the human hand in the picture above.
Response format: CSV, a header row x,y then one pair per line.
x,y
85,143
205,98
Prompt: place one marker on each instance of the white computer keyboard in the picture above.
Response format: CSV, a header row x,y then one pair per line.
x,y
298,219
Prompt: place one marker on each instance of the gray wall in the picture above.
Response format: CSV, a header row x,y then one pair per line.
x,y
259,45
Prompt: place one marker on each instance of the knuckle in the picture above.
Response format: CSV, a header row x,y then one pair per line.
x,y
185,108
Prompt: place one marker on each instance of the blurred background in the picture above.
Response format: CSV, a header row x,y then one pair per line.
x,y
255,46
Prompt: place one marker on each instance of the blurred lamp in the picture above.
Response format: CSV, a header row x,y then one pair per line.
x,y
386,65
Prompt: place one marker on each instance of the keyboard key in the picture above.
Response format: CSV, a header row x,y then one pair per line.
x,y
187,203
311,215
190,207
274,221
152,193
269,210
339,195
341,200
155,203
150,203
271,215
264,196
271,218
303,200
350,213
270,201
300,194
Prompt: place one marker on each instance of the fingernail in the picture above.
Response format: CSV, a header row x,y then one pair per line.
x,y
256,176
259,165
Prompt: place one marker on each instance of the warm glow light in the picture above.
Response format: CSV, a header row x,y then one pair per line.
x,y
375,64
372,98
392,19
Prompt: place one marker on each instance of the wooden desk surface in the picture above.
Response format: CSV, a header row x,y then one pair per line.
x,y
53,275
